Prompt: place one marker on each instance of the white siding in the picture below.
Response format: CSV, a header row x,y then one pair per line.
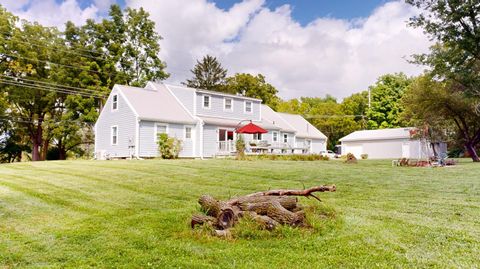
x,y
376,149
318,145
210,137
217,108
299,142
148,145
125,119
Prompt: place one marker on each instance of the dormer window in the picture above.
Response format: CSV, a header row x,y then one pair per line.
x,y
206,101
248,107
228,104
115,102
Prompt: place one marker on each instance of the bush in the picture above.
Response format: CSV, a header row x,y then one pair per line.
x,y
240,145
364,156
169,147
273,157
351,158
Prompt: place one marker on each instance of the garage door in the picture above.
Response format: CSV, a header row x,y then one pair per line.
x,y
356,150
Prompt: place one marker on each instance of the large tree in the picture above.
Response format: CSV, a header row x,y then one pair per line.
x,y
253,86
434,104
324,113
385,105
208,74
126,46
455,28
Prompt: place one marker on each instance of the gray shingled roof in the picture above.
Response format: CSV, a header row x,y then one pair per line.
x,y
304,128
381,134
274,119
155,103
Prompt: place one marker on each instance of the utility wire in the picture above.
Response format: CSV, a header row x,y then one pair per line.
x,y
50,84
49,62
39,87
30,42
64,50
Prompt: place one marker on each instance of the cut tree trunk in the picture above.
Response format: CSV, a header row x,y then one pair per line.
x,y
268,208
202,220
278,213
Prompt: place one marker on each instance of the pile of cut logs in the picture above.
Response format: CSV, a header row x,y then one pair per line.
x,y
269,209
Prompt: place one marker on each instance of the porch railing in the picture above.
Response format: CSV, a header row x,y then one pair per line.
x,y
226,146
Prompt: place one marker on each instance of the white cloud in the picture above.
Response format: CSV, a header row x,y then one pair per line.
x,y
327,56
51,13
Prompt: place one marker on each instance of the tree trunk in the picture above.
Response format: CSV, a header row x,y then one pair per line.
x,y
62,155
45,144
35,150
37,139
472,152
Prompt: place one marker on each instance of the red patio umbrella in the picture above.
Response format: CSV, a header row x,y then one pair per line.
x,y
251,129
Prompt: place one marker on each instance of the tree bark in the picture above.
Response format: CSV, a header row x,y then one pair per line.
x,y
202,220
278,213
260,204
211,206
37,140
472,152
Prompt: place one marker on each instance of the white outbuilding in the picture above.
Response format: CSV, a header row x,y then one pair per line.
x,y
386,144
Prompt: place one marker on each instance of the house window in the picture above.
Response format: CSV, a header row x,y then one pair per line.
x,y
275,137
228,104
188,132
115,102
206,101
308,143
160,129
248,107
285,138
114,135
257,136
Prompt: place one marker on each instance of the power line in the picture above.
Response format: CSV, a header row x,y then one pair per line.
x,y
51,84
30,41
22,120
64,50
333,116
39,87
49,62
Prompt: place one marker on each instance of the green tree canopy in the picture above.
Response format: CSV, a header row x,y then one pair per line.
x,y
208,74
385,101
435,104
54,83
253,86
325,114
455,25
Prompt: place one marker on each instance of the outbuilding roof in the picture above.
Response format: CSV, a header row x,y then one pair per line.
x,y
304,128
381,134
156,103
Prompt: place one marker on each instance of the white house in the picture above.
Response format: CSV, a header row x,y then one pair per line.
x,y
204,121
385,144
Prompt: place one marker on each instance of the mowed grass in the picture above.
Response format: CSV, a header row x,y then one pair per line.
x,y
135,214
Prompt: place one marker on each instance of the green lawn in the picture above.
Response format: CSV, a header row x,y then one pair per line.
x,y
134,214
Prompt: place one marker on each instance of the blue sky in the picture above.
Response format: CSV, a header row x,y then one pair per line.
x,y
304,11
337,55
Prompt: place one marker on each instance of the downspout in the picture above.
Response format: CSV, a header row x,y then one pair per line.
x,y
137,138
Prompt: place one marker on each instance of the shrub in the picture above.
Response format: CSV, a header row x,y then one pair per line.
x,y
240,145
273,157
169,147
351,158
364,156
